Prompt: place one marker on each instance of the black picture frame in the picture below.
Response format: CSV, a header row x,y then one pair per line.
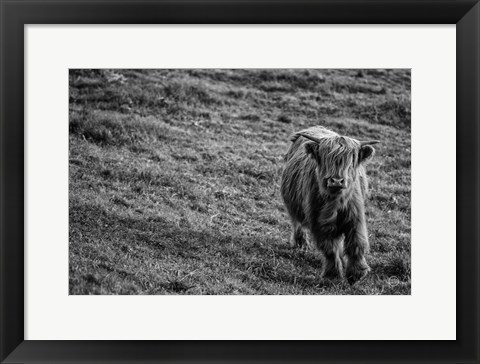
x,y
15,14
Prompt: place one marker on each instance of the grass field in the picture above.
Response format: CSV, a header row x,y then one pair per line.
x,y
174,178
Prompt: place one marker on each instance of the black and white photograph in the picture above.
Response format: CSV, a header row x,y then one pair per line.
x,y
239,181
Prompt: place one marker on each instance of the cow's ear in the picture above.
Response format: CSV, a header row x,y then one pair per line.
x,y
311,149
366,152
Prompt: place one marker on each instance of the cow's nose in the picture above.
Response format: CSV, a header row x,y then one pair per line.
x,y
336,182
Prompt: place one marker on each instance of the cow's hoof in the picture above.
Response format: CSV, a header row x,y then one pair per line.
x,y
333,271
356,273
297,243
331,275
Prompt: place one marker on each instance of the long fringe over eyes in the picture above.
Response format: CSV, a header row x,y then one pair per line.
x,y
336,154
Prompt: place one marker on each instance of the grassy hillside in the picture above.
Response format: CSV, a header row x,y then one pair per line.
x,y
174,178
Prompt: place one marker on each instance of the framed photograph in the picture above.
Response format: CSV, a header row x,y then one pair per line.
x,y
239,181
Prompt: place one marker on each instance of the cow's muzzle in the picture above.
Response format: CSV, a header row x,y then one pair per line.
x,y
336,185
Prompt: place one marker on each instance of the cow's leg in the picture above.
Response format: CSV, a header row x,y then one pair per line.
x,y
297,237
332,262
356,246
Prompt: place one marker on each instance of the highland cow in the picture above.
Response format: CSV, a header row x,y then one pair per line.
x,y
324,186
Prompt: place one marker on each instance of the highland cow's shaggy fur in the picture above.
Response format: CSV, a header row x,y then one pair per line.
x,y
333,218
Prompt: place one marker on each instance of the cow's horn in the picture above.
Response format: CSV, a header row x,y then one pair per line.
x,y
370,142
311,137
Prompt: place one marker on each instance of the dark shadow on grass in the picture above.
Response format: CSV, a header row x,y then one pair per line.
x,y
99,238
